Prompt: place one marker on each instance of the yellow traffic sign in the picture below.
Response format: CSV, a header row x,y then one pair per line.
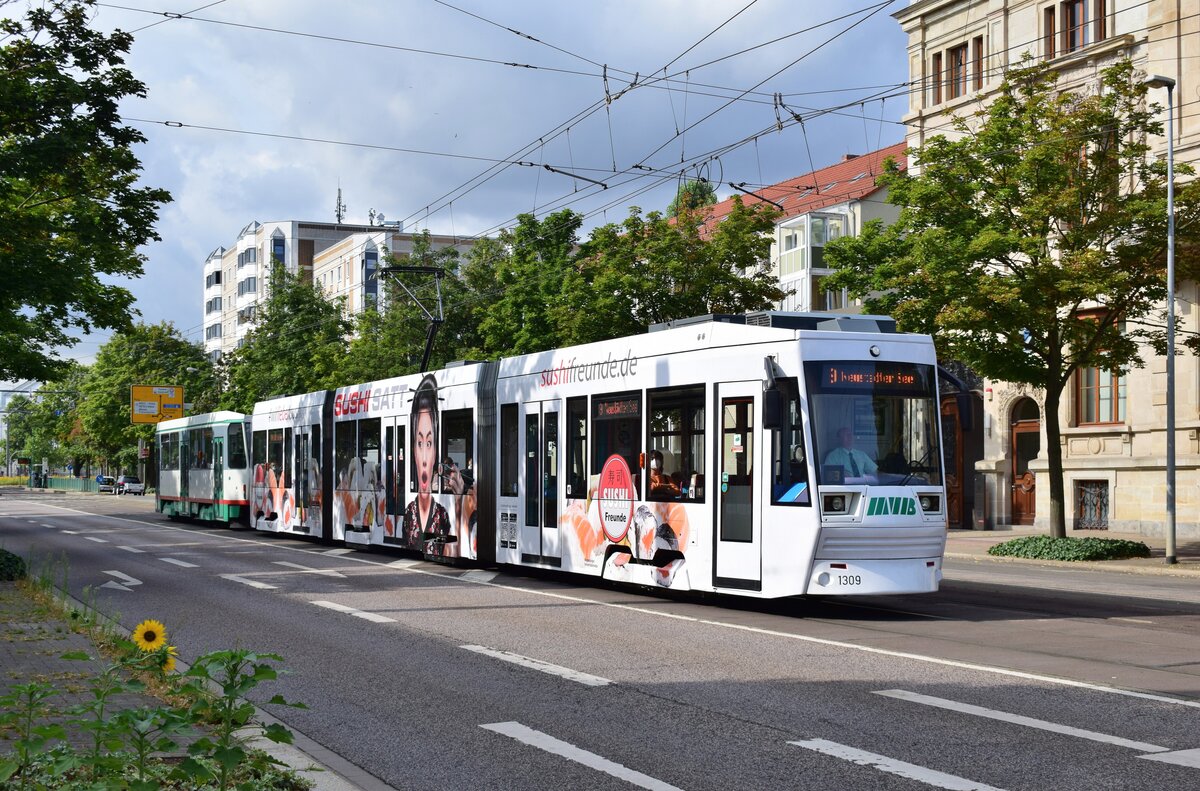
x,y
155,403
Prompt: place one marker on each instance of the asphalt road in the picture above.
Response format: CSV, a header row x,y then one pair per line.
x,y
423,676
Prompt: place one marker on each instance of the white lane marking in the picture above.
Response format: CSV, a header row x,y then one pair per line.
x,y
45,524
1017,719
71,532
479,575
309,569
1178,757
134,550
539,665
544,741
125,578
366,616
1130,620
921,774
250,582
182,563
97,540
409,566
340,551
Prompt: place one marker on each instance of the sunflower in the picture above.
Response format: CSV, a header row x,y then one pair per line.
x,y
149,635
169,661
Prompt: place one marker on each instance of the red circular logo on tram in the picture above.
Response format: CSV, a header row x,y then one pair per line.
x,y
614,498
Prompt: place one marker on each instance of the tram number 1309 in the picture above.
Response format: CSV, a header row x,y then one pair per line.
x,y
849,579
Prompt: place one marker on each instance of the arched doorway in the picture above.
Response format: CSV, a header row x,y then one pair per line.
x,y
1026,439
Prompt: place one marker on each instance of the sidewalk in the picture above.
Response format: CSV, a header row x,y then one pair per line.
x,y
974,544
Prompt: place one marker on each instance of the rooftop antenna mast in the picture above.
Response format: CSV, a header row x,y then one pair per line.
x,y
339,211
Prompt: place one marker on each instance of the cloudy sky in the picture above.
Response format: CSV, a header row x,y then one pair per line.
x,y
412,107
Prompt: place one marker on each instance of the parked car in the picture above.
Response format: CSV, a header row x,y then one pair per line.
x,y
107,484
130,484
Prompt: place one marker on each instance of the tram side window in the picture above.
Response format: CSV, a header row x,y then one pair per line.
x,y
237,447
275,453
201,444
675,465
617,431
458,448
368,441
345,445
789,459
258,450
168,451
510,460
577,447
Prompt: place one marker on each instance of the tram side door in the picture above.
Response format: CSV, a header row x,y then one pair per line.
x,y
540,537
218,469
305,485
738,535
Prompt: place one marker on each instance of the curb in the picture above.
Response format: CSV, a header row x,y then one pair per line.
x,y
1178,570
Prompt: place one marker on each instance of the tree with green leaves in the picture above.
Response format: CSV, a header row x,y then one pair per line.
x,y
71,208
650,269
528,284
296,344
1031,243
146,354
692,194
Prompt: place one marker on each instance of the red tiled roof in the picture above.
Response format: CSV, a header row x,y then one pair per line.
x,y
850,179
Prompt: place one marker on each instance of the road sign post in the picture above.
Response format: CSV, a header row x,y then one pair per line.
x,y
155,403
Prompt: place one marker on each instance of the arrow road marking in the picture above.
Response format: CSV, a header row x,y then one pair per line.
x,y
182,563
125,578
544,741
921,774
115,586
539,665
1017,719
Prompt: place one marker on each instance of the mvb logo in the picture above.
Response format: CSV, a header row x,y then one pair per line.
x,y
899,506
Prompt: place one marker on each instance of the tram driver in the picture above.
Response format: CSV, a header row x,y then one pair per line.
x,y
855,462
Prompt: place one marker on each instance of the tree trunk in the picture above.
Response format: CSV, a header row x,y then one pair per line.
x,y
1058,519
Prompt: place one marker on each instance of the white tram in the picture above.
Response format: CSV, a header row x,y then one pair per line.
x,y
203,470
765,455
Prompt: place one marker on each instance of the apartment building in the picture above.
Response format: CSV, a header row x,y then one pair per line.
x,y
816,208
341,258
1114,436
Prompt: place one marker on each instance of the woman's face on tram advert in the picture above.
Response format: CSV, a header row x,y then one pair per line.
x,y
424,451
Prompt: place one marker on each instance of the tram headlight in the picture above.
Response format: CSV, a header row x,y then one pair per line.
x,y
835,503
930,502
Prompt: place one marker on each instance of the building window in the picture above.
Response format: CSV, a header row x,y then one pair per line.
x,y
977,57
370,280
957,85
213,279
1080,23
936,75
1101,397
824,228
212,331
278,251
1091,505
1048,33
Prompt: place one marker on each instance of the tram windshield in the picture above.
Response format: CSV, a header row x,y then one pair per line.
x,y
874,422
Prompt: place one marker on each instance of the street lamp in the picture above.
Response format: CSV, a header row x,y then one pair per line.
x,y
1156,81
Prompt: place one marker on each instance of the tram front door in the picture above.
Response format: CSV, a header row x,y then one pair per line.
x,y
540,536
738,535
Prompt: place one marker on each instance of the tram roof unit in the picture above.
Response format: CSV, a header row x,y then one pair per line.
x,y
205,419
825,322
